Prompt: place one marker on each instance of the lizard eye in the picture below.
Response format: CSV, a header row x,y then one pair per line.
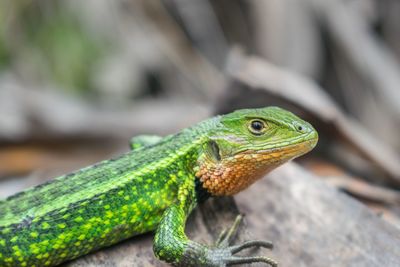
x,y
300,128
257,127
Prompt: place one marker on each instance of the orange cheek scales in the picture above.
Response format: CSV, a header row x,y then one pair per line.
x,y
234,174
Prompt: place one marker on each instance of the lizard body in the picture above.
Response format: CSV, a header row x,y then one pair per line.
x,y
154,187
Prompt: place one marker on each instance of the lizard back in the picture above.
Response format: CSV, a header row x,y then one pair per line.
x,y
96,206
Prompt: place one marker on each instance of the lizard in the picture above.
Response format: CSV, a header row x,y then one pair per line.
x,y
153,187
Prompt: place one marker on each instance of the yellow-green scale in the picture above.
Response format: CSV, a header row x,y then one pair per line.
x,y
101,210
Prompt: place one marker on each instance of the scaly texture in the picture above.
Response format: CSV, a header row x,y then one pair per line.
x,y
153,187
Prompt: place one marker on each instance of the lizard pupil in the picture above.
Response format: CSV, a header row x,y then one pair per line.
x,y
257,126
299,128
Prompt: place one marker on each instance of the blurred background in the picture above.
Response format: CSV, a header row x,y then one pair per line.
x,y
79,78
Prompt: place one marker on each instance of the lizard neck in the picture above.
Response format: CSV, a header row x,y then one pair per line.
x,y
233,174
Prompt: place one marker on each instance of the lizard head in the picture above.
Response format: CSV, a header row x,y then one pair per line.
x,y
247,144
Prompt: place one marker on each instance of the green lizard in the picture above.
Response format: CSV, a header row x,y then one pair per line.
x,y
154,187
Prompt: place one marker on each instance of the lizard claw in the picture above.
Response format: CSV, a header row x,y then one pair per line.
x,y
224,254
227,234
243,260
223,257
251,243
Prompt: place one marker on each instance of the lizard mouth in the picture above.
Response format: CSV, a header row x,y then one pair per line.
x,y
287,151
301,147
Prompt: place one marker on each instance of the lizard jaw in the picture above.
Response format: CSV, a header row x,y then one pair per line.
x,y
234,174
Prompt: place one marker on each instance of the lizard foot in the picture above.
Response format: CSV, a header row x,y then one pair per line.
x,y
223,254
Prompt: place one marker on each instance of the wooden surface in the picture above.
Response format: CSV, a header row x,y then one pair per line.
x,y
313,224
309,222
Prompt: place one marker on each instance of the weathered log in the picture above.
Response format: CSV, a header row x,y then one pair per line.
x,y
313,224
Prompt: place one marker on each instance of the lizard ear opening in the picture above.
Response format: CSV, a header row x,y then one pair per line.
x,y
214,149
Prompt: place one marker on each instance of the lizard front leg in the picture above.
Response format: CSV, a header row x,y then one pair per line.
x,y
172,245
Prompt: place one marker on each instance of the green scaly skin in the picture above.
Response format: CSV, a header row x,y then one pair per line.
x,y
151,188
